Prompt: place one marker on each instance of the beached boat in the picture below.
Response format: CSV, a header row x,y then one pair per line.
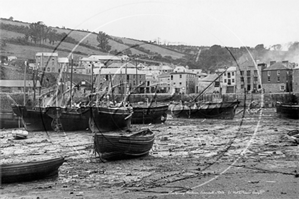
x,y
8,119
116,145
143,114
69,119
109,118
33,119
207,110
30,171
288,110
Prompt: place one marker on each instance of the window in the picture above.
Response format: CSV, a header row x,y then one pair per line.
x,y
278,72
180,76
248,80
278,78
242,73
282,87
242,79
228,75
255,79
255,72
48,69
179,83
232,73
232,80
269,78
224,74
106,77
242,86
229,82
248,72
224,80
171,77
127,77
269,73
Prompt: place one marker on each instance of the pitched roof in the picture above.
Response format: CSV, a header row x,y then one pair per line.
x,y
106,71
276,66
17,83
209,78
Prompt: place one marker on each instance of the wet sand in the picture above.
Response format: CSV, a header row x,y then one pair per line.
x,y
247,157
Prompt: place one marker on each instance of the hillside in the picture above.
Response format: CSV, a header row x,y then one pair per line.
x,y
15,39
82,37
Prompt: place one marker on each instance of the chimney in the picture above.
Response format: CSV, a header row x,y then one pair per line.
x,y
262,65
272,62
285,63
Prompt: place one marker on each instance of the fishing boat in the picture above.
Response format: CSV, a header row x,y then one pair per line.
x,y
207,110
8,119
69,119
110,118
116,145
145,114
21,172
33,118
288,110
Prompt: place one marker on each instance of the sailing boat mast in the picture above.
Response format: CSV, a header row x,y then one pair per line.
x,y
25,83
71,81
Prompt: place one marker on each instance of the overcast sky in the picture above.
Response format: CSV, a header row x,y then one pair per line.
x,y
232,23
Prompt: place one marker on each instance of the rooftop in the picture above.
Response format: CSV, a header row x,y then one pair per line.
x,y
17,83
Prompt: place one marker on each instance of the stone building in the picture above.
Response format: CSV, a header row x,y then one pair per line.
x,y
47,62
248,77
184,82
277,78
296,80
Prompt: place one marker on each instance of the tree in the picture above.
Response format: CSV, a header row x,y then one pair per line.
x,y
102,38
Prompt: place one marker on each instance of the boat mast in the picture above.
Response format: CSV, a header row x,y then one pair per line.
x,y
25,83
71,81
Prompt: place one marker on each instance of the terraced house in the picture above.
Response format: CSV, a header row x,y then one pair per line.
x,y
278,77
184,82
248,77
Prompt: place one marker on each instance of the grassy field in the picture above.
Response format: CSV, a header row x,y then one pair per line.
x,y
85,38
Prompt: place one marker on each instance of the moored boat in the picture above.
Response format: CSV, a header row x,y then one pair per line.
x,y
143,114
107,118
69,119
34,119
21,172
116,145
288,110
207,110
8,119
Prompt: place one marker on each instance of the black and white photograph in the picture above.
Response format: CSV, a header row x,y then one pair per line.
x,y
149,99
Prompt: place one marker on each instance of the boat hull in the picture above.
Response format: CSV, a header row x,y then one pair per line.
x,y
8,119
152,114
288,110
34,119
118,145
224,110
104,119
69,119
30,171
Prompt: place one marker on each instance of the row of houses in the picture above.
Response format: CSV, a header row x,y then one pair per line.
x,y
252,77
125,74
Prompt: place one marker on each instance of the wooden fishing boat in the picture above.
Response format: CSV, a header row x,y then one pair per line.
x,y
33,119
288,110
108,118
30,171
143,114
8,119
69,119
207,110
116,145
